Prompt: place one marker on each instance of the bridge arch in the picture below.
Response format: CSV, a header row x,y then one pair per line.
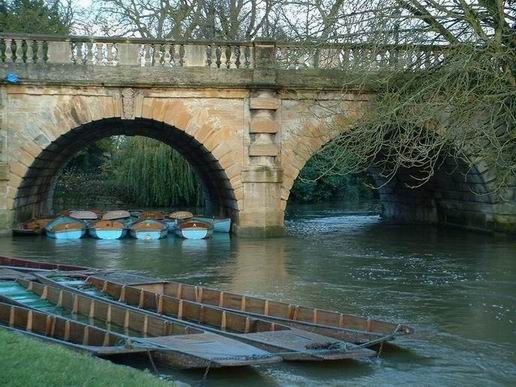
x,y
457,194
35,192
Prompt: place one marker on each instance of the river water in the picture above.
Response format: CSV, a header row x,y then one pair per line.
x,y
456,288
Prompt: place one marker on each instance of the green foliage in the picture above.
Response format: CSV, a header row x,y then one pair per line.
x,y
77,188
314,185
153,174
127,171
93,157
35,16
462,108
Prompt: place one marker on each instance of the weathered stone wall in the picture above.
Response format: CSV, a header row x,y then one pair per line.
x,y
248,131
34,118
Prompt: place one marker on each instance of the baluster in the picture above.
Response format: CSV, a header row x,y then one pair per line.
x,y
43,51
181,55
165,59
344,57
31,51
78,54
89,57
155,59
218,53
247,56
237,57
295,58
9,53
166,55
20,51
112,54
228,56
209,54
172,55
2,50
147,54
99,57
161,54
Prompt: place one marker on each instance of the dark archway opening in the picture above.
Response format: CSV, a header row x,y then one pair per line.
x,y
456,194
35,193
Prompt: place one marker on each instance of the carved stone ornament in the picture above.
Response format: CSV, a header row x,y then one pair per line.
x,y
128,104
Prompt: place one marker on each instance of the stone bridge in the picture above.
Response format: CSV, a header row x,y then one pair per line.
x,y
246,116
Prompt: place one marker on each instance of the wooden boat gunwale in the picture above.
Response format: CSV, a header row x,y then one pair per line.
x,y
270,336
167,338
42,326
31,264
363,330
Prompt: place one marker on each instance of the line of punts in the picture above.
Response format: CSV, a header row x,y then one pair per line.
x,y
180,325
118,224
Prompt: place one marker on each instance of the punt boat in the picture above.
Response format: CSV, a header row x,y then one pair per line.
x,y
338,325
289,342
69,333
29,264
174,343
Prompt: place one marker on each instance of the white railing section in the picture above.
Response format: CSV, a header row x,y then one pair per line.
x,y
106,51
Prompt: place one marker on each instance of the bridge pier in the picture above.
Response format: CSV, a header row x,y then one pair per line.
x,y
261,214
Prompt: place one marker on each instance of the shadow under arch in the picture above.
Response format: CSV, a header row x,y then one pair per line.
x,y
457,194
35,192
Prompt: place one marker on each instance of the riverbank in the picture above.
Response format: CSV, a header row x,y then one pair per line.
x,y
29,362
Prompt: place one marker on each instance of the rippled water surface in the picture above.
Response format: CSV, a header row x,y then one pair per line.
x,y
457,288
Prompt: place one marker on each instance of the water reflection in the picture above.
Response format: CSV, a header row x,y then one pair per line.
x,y
457,288
268,257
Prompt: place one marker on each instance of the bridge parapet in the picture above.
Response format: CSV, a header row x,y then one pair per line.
x,y
116,51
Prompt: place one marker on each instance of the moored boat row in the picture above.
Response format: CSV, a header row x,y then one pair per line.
x,y
117,224
184,325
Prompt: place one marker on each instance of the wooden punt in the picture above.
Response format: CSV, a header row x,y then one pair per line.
x,y
174,343
20,263
59,330
341,326
291,343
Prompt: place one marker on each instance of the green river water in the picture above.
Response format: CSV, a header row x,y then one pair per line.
x,y
456,288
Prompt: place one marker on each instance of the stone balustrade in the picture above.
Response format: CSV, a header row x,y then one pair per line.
x,y
110,51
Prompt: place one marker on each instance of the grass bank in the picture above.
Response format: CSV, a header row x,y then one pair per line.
x,y
30,362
